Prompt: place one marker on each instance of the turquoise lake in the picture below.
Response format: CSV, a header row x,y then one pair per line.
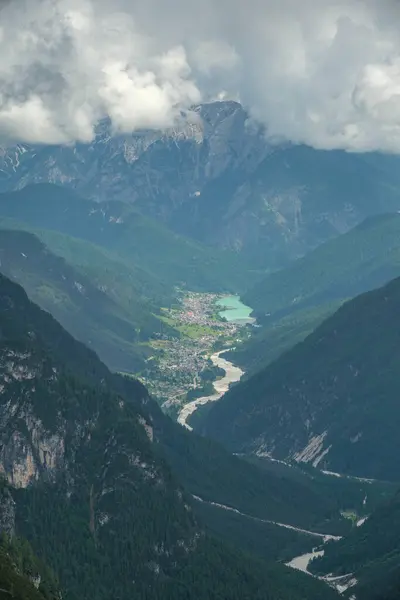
x,y
233,309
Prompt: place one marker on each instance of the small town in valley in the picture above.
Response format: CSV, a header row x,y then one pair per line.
x,y
182,356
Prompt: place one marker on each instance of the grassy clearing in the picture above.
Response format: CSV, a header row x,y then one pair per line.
x,y
168,320
350,515
197,331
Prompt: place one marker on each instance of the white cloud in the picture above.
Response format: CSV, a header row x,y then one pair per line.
x,y
325,73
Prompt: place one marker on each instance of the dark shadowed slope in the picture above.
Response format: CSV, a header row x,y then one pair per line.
x,y
332,400
371,553
170,258
86,307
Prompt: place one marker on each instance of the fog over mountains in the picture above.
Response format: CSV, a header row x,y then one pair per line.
x,y
220,182
324,74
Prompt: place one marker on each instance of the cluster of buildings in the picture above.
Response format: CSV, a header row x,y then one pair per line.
x,y
180,361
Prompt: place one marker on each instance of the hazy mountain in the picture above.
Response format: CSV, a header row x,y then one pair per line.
x,y
331,400
219,181
291,303
364,258
148,245
276,335
85,307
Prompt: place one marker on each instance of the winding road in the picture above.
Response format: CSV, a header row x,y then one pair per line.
x,y
232,374
301,563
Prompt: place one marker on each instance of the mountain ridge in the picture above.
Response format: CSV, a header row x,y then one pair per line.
x,y
172,259
289,304
221,182
85,309
364,258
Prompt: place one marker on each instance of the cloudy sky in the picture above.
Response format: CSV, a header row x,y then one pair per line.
x,y
321,72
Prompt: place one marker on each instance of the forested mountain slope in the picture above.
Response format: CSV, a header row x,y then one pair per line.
x,y
22,575
92,489
276,335
362,259
371,553
84,307
331,400
170,258
291,303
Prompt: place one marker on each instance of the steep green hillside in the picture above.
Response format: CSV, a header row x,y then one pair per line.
x,y
124,281
167,256
264,489
22,575
260,539
14,584
291,303
331,400
371,553
93,491
114,326
345,496
358,261
276,336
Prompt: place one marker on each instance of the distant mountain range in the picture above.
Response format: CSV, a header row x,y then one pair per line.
x,y
217,180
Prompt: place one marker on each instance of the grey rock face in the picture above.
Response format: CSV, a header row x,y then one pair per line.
x,y
28,448
219,180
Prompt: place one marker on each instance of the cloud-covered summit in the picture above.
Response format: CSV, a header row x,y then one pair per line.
x,y
323,73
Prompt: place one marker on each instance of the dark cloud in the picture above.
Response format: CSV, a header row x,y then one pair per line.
x,y
326,73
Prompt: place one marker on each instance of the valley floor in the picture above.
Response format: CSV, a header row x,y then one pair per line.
x,y
179,363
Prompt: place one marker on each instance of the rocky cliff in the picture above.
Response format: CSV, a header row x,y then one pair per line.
x,y
218,179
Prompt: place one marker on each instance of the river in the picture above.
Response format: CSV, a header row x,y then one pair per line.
x,y
232,374
234,311
340,583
